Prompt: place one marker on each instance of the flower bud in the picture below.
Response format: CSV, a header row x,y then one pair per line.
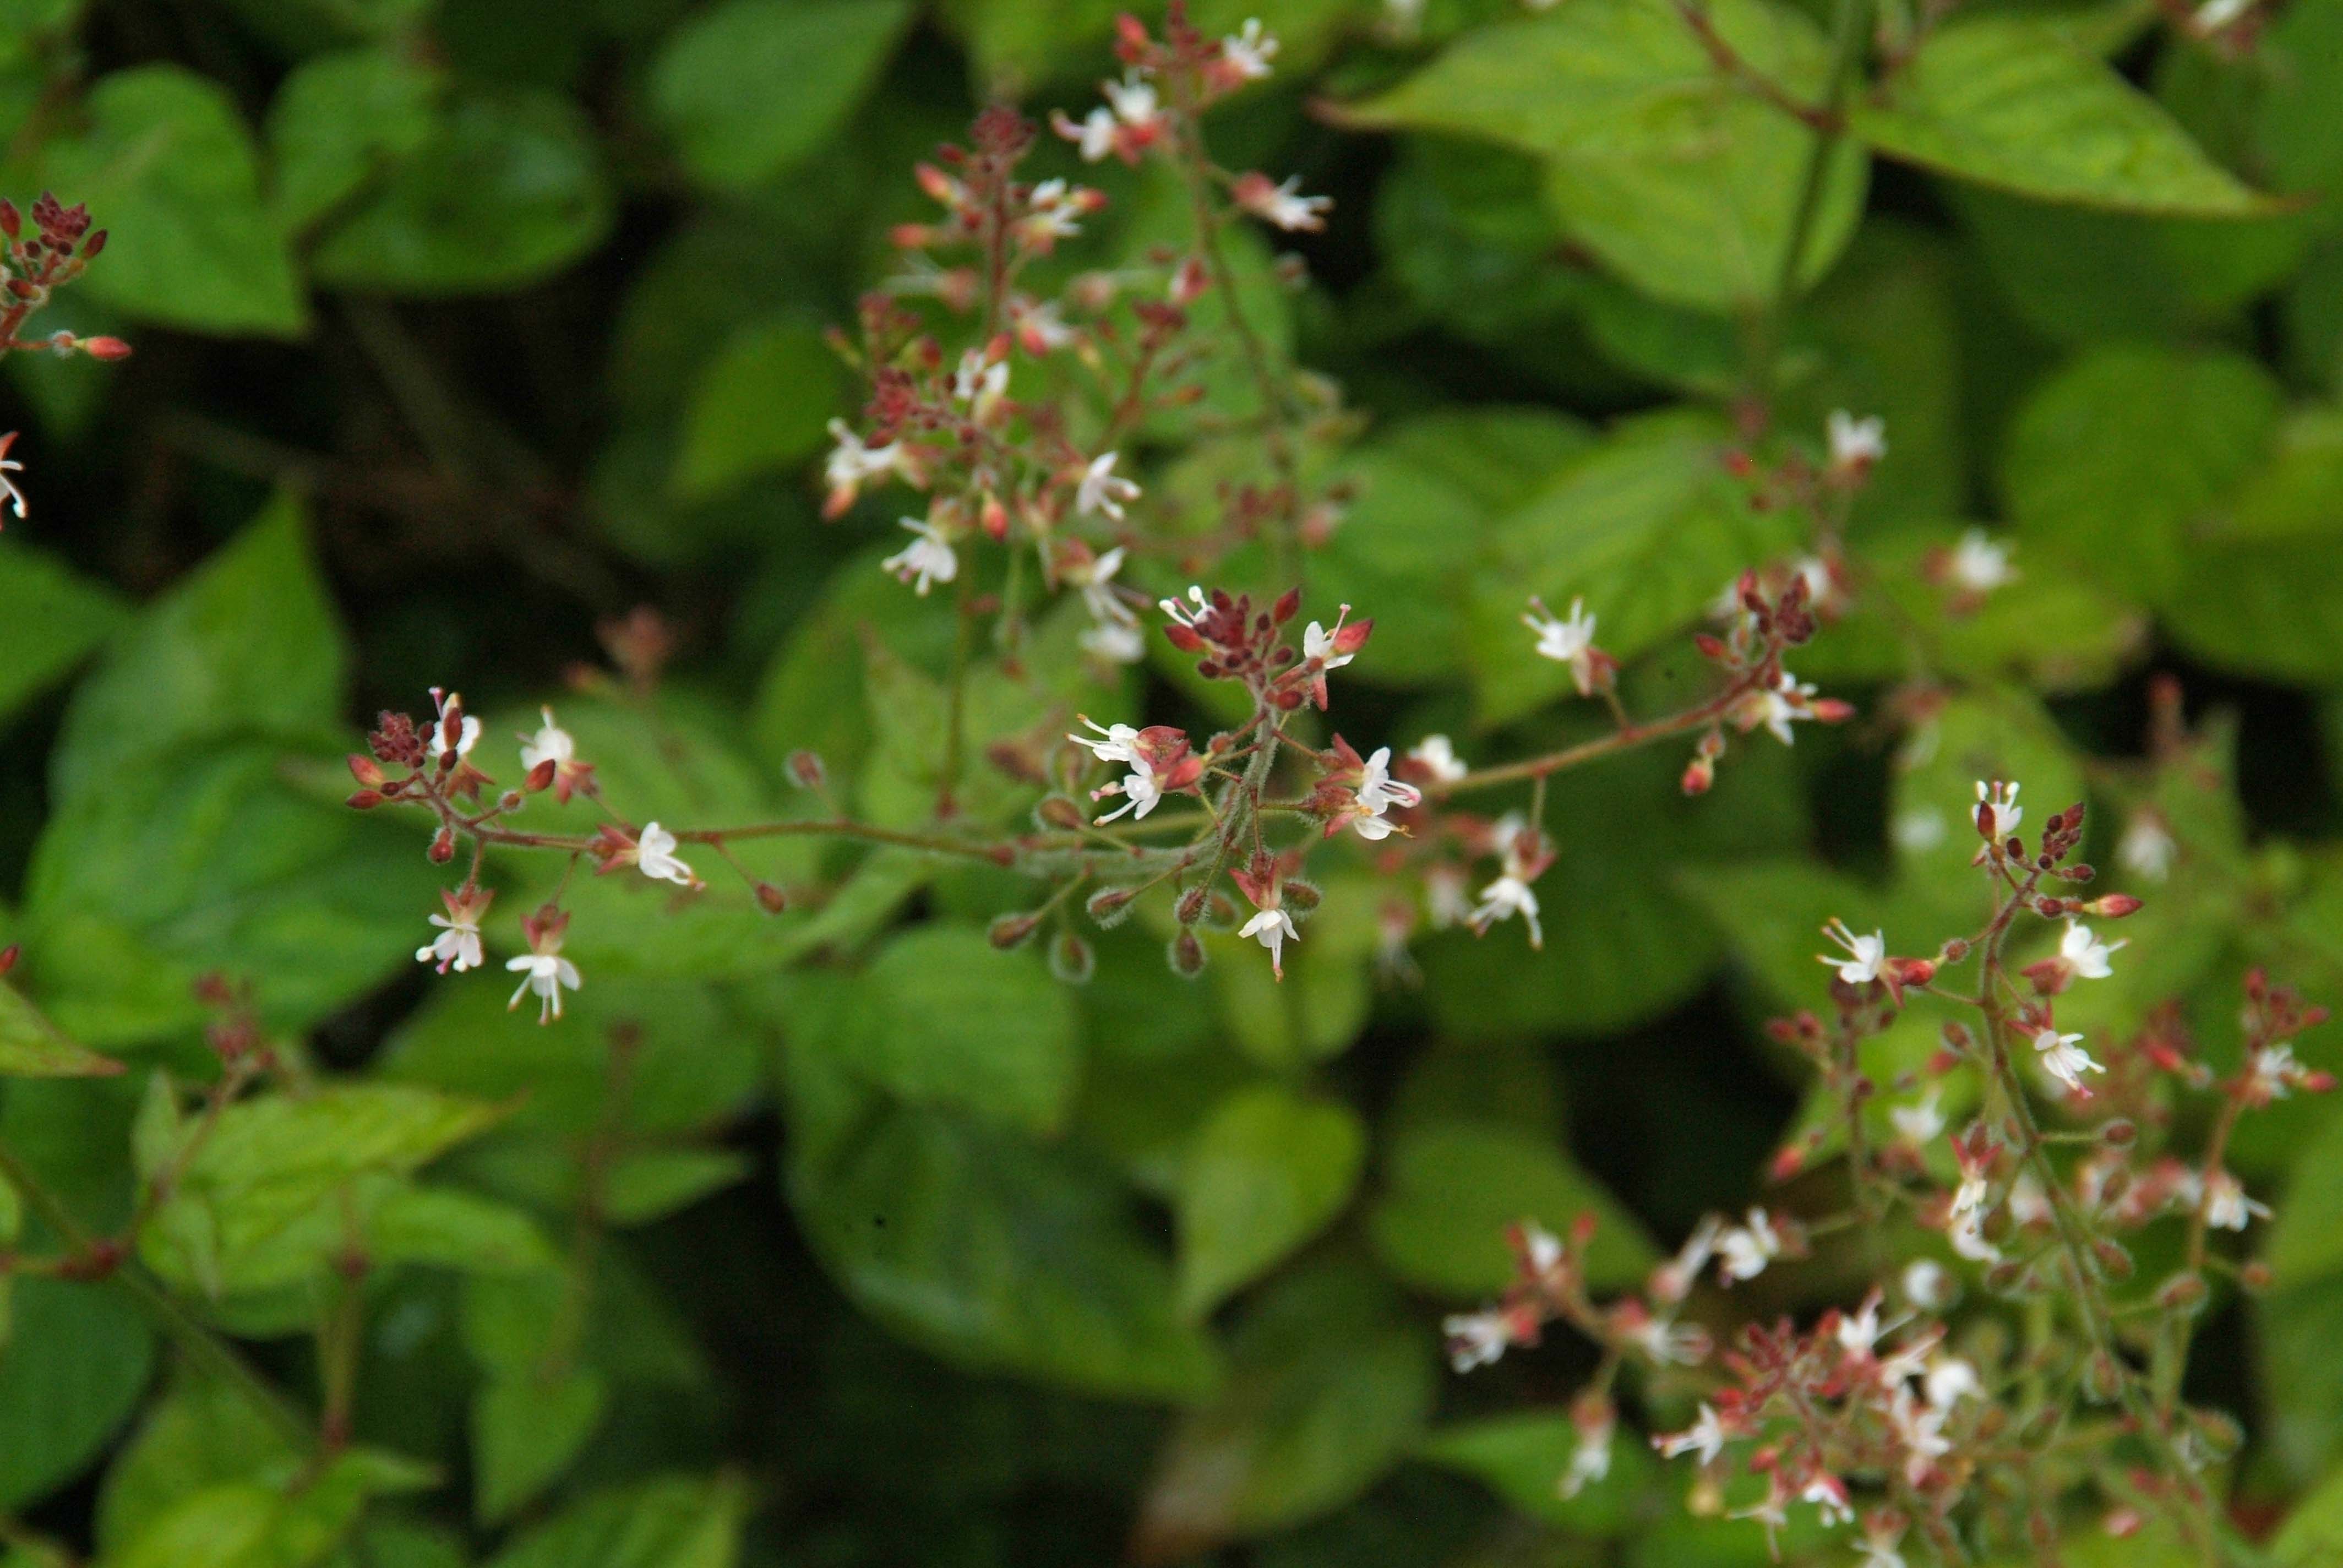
x,y
1699,774
105,347
95,244
2113,1258
1072,959
2114,906
1110,907
1300,897
365,801
9,955
1186,954
807,770
1186,639
443,846
367,771
1191,907
2183,1290
2255,1276
1008,931
2119,1132
771,898
1059,811
540,776
12,222
1288,604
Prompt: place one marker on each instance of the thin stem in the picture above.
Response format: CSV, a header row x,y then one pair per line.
x,y
1626,737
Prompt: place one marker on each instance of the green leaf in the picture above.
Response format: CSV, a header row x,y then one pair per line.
x,y
1328,1383
2272,608
674,1521
508,189
526,1431
51,618
2299,68
750,86
1522,1457
71,1372
31,1046
2009,102
167,168
340,120
2110,460
987,1249
651,1183
2312,1534
273,1523
202,1432
760,405
1452,1190
1658,162
1647,529
1267,1171
448,1228
2306,1239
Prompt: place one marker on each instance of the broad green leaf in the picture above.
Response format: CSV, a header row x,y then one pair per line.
x,y
2007,102
2295,494
292,1519
674,1521
1467,232
1647,529
508,189
31,1046
448,1228
940,1017
2111,461
1014,44
72,1370
749,87
1329,1383
1657,161
1523,1457
202,1432
1498,454
2272,609
1402,552
51,618
246,644
651,1183
526,1431
341,120
2313,1534
2300,61
1453,1189
2306,1239
987,1249
1772,912
167,168
1268,1169
760,405
2300,1382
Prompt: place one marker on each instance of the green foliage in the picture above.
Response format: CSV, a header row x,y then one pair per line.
x,y
1266,1171
752,86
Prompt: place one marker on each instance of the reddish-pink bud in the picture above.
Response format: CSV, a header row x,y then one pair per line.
x,y
807,769
105,348
1184,637
1288,603
365,801
541,776
1352,636
97,243
443,847
12,222
1699,774
771,898
14,950
365,770
2114,906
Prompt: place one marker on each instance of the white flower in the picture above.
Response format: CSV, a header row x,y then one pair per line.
x,y
655,856
1879,1552
1785,703
928,559
545,971
1378,791
1114,641
1093,137
1864,954
1040,326
1918,1124
1921,1428
1858,1331
850,462
550,744
1855,443
1704,1437
1569,641
2272,1073
458,945
1103,491
1132,100
980,383
1250,50
1196,607
1673,1281
1506,896
1590,1462
1439,759
1475,1339
2215,15
2147,847
16,497
2000,809
1273,927
1443,896
1745,1250
2086,953
2227,1206
1282,205
1318,641
1927,1285
1950,1379
1096,580
2028,1203
1919,829
1828,1493
1112,743
1979,565
2064,1059
1967,1234
1139,791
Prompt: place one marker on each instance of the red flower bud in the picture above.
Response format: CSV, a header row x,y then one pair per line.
x,y
1288,603
2114,906
367,771
1352,636
365,801
14,950
97,243
1698,774
541,776
771,898
1012,930
1184,637
105,348
11,221
443,847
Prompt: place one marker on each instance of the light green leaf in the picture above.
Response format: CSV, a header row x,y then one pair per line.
x,y
1452,1190
1267,1171
2009,102
760,405
2312,1534
1657,161
31,1046
508,189
71,1372
448,1228
652,1183
202,1432
750,86
1329,1384
526,1431
341,119
675,1522
51,618
2306,1239
2273,609
2110,460
167,168
269,1523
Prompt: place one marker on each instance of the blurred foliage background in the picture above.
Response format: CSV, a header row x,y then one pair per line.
x,y
464,330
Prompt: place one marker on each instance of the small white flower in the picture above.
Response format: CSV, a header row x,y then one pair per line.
x,y
1443,896
655,856
1475,1339
550,744
1590,1462
1879,1552
850,462
1704,1438
458,945
1921,1428
2227,1206
1040,326
1139,790
1673,1281
1196,607
1566,640
1096,580
1855,443
1950,1379
1439,759
1111,743
1782,704
1979,564
2216,15
1378,791
980,382
1131,99
1918,1124
2001,810
1094,136
1858,1331
2273,1073
2147,847
1506,896
1318,641
546,972
926,560
1250,50
1927,1285
1101,490
1864,954
1967,1234
1919,829
1828,1494
1273,927
1115,642
2028,1203
1745,1250
1282,205
2086,953
2064,1059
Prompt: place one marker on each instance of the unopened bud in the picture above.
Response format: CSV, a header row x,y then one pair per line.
x,y
771,898
367,771
97,243
1072,959
1288,603
443,846
1300,897
1954,951
1110,906
806,769
12,222
2255,1276
1191,907
2114,906
540,777
9,955
1699,775
1059,811
1186,954
2119,1132
365,801
1008,931
510,800
105,348
2112,1259
2184,1289
2102,1379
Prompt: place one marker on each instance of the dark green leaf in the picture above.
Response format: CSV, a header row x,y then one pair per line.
x,y
526,1431
51,618
71,1372
676,1521
31,1046
1523,1457
1267,1171
751,85
343,119
760,405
